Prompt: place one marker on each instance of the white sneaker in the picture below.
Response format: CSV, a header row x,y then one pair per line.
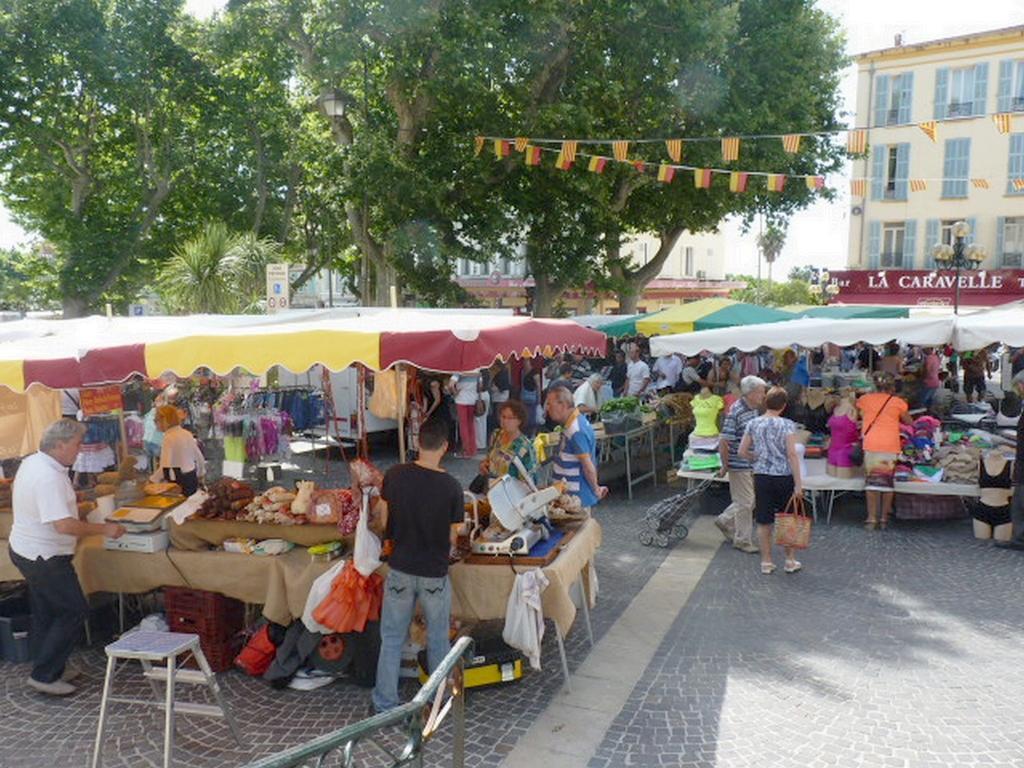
x,y
56,688
792,566
724,528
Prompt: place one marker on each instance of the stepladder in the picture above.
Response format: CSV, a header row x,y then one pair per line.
x,y
162,656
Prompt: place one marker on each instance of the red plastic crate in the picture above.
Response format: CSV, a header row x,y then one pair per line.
x,y
221,655
212,616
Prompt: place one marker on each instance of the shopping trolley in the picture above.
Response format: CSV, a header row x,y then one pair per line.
x,y
666,522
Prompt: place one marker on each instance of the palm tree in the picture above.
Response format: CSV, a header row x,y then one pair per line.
x,y
217,271
770,242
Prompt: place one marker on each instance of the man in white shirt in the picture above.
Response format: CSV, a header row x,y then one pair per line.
x,y
588,397
638,375
42,542
667,370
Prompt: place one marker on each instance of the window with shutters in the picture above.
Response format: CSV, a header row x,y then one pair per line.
x,y
956,168
891,171
1017,90
961,92
893,238
1015,171
1013,241
688,266
946,231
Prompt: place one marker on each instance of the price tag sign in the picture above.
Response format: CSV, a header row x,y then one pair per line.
x,y
99,400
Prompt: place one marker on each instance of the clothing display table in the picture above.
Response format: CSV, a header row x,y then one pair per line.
x,y
625,444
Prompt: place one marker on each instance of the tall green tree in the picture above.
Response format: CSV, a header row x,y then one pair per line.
x,y
30,280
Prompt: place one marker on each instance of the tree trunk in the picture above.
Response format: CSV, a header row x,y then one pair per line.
x,y
634,281
628,303
74,306
545,294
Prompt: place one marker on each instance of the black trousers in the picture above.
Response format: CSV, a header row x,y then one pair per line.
x,y
1017,514
59,610
189,481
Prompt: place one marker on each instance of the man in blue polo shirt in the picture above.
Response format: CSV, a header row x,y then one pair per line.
x,y
576,459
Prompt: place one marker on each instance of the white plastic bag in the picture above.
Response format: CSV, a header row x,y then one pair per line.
x,y
524,615
318,592
366,556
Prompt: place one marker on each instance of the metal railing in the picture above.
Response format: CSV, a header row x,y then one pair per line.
x,y
419,724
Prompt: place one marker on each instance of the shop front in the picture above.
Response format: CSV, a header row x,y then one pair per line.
x,y
922,287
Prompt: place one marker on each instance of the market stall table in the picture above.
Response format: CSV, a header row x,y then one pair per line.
x,y
608,449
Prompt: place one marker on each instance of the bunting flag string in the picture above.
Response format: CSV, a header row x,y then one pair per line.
x,y
791,143
478,145
674,147
521,143
1003,121
620,150
857,142
730,149
930,128
567,153
738,181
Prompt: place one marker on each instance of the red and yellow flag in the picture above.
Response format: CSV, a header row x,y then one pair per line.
x,y
979,183
478,145
1018,184
522,143
930,128
502,148
596,164
857,141
738,181
666,173
791,143
776,182
674,147
702,178
918,185
569,150
531,154
620,150
730,149
858,187
815,183
639,166
1003,121
563,163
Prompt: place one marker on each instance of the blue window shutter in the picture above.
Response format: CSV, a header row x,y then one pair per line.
x,y
956,168
972,222
980,88
931,239
874,244
902,170
964,167
906,96
878,153
1000,235
1005,92
948,164
909,243
881,99
941,93
1016,169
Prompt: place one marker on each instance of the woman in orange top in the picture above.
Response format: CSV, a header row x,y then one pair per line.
x,y
881,414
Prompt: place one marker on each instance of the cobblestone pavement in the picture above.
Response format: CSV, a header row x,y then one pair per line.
x,y
35,730
899,648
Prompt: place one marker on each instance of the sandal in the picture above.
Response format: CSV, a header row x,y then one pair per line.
x,y
871,525
883,525
767,568
792,566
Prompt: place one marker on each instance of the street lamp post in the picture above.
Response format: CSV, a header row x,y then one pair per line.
x,y
822,283
958,256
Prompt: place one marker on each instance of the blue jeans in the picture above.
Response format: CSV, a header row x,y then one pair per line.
x,y
401,591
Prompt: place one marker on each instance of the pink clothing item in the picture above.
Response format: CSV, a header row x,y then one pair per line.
x,y
845,433
467,428
931,371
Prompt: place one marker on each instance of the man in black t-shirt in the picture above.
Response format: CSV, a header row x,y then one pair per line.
x,y
423,510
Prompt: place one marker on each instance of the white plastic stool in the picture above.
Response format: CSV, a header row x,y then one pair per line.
x,y
165,648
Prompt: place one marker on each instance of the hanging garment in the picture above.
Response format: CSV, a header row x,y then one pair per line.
x,y
23,417
384,400
524,615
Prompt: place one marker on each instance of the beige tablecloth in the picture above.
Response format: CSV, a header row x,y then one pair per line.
x,y
281,583
206,534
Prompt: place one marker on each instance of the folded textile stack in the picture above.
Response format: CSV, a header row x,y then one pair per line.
x,y
959,463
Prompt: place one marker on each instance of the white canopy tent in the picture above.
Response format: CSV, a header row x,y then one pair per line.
x,y
808,332
1001,325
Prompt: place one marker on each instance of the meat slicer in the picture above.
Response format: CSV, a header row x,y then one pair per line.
x,y
522,511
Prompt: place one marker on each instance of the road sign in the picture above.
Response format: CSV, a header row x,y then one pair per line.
x,y
278,291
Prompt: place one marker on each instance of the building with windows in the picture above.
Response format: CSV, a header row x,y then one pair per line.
x,y
916,187
694,270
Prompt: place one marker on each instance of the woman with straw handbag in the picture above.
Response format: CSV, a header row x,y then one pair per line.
x,y
770,444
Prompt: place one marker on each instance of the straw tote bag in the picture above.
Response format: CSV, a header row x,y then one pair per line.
x,y
793,525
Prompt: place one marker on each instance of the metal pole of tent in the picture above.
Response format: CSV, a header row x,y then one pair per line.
x,y
401,392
